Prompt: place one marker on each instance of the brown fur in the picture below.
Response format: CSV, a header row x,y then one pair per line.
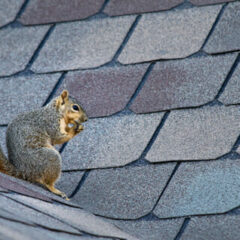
x,y
31,138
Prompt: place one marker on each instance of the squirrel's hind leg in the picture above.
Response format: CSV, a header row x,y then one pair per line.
x,y
51,169
56,191
51,187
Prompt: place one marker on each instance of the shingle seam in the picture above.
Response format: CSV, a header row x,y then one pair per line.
x,y
15,23
127,37
56,218
16,220
214,25
63,147
81,182
55,88
155,134
103,6
229,75
236,144
49,215
39,225
40,46
182,228
166,185
140,86
22,9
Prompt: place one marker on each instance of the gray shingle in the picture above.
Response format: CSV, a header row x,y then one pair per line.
x,y
125,193
116,8
231,94
17,46
44,11
106,90
29,92
9,10
183,83
181,34
206,2
151,229
76,217
238,150
201,188
14,230
93,43
108,142
200,134
226,35
69,181
224,227
31,216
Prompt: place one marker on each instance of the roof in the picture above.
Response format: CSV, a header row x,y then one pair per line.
x,y
160,155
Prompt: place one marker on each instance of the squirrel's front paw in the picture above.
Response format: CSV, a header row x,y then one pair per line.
x,y
79,128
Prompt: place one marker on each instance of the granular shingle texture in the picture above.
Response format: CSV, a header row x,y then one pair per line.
x,y
206,2
9,10
226,35
69,181
125,193
214,228
93,43
201,188
77,217
110,142
183,83
28,87
151,229
24,41
201,134
159,81
231,94
187,28
32,216
115,7
104,91
44,11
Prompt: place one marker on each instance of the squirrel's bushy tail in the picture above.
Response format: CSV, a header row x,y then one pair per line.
x,y
3,161
5,166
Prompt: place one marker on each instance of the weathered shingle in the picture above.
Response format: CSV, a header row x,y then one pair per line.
x,y
123,193
9,10
104,91
200,134
24,93
110,142
226,35
222,227
17,46
93,43
151,229
201,188
44,11
115,7
183,83
76,217
231,94
181,34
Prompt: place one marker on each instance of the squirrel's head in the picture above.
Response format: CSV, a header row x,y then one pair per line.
x,y
70,108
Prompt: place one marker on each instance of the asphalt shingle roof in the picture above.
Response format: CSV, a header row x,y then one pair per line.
x,y
160,80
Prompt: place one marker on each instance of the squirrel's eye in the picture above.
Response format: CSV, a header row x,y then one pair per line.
x,y
75,107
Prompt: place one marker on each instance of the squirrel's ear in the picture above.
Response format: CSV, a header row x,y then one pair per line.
x,y
64,95
61,100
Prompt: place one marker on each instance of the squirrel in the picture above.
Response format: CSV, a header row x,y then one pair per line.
x,y
31,138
